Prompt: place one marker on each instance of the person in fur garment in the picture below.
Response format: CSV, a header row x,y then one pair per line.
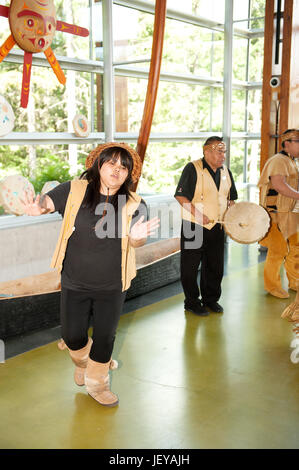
x,y
279,184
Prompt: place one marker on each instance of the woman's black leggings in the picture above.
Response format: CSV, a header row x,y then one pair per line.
x,y
76,310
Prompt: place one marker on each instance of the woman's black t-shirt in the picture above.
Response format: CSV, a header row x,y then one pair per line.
x,y
93,255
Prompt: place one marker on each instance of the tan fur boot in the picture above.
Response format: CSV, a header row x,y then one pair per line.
x,y
80,358
277,251
98,384
292,262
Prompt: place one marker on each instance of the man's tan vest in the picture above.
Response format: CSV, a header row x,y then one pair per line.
x,y
74,201
207,199
279,164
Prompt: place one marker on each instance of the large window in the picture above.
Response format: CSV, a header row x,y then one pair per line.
x,y
43,135
190,104
246,104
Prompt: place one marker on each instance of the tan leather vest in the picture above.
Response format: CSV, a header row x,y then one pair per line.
x,y
279,164
207,199
74,201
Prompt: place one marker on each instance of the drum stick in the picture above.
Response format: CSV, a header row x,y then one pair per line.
x,y
229,223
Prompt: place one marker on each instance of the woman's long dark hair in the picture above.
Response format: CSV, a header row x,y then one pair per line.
x,y
92,175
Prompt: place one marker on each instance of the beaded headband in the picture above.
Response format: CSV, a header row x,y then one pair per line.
x,y
291,135
137,165
220,146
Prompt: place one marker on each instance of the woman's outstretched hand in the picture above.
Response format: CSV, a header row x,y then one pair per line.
x,y
35,206
141,230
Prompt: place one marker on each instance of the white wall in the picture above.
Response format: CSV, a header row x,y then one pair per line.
x,y
26,246
27,243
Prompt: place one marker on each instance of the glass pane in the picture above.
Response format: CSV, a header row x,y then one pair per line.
x,y
254,111
4,29
97,26
216,109
238,110
179,107
69,44
50,104
256,60
246,182
253,161
133,43
236,159
239,58
164,164
258,12
182,108
133,36
210,9
190,49
43,163
241,12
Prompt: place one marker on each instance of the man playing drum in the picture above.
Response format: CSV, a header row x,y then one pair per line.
x,y
279,183
205,190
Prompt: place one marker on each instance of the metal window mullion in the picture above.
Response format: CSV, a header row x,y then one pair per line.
x,y
246,100
66,63
97,68
227,75
49,138
133,72
179,15
91,49
61,138
108,76
249,19
149,7
211,88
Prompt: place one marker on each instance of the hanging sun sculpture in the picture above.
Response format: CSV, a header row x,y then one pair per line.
x,y
33,24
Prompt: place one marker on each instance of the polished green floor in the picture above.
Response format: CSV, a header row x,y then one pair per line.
x,y
184,382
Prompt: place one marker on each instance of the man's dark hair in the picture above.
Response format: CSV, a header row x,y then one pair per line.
x,y
214,138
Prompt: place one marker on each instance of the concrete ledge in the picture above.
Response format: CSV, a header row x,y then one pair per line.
x,y
27,243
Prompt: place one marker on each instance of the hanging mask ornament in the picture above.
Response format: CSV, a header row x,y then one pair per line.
x,y
33,25
7,117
